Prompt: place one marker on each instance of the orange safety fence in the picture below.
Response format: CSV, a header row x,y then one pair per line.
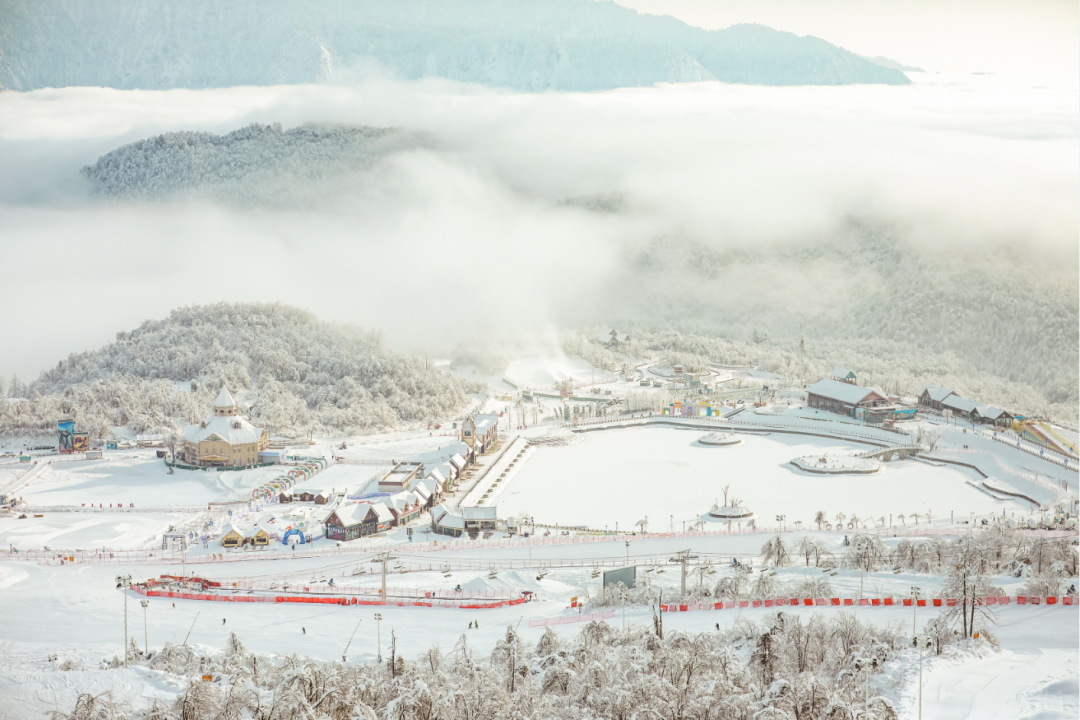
x,y
867,602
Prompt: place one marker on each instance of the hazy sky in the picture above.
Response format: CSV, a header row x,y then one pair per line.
x,y
434,245
1024,36
960,163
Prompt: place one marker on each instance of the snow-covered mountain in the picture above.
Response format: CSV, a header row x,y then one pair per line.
x,y
257,164
297,374
529,45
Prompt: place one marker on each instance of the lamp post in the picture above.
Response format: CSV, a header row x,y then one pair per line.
x,y
628,552
146,642
378,633
920,676
914,604
123,582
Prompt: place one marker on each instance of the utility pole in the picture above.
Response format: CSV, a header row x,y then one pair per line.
x,y
683,557
383,558
378,633
146,641
124,582
628,552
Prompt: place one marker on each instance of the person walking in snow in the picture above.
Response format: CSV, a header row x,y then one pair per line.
x,y
303,630
222,621
717,626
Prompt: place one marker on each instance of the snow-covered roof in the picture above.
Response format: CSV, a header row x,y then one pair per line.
x,y
604,338
421,492
233,429
437,476
955,402
478,513
351,515
224,398
991,412
383,512
841,391
457,461
841,372
231,527
483,422
445,518
936,392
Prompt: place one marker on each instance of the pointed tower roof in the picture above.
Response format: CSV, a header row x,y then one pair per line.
x,y
224,398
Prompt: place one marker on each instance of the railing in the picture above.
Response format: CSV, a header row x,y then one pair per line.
x,y
358,547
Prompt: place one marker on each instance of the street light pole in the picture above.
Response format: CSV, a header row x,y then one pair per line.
x,y
914,604
146,641
124,582
920,676
378,633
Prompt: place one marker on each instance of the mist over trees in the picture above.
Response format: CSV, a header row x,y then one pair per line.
x,y
261,165
902,317
291,372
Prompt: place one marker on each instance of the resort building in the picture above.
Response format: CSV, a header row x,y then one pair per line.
x,y
224,439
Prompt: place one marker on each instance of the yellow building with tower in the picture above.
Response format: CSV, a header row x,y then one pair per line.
x,y
224,439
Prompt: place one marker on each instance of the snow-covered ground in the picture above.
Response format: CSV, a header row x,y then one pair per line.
x,y
142,479
622,476
609,476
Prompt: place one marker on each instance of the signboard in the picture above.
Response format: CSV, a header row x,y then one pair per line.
x,y
859,413
81,442
66,429
905,414
626,576
110,445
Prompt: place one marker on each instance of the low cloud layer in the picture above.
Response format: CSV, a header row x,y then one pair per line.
x,y
541,210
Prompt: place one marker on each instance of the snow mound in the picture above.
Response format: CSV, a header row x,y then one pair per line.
x,y
255,165
836,464
719,438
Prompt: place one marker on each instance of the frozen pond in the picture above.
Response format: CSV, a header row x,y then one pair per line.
x,y
625,475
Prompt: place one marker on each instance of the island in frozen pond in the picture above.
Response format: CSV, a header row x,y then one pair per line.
x,y
837,464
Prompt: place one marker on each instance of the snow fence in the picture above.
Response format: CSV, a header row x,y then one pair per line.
x,y
335,600
867,602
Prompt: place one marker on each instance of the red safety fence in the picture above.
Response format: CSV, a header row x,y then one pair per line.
x,y
213,597
866,602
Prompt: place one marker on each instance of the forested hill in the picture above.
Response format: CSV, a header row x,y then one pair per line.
x,y
256,164
297,373
527,45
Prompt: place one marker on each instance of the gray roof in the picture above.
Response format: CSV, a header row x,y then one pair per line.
x,y
955,402
483,422
478,513
937,393
991,412
841,391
